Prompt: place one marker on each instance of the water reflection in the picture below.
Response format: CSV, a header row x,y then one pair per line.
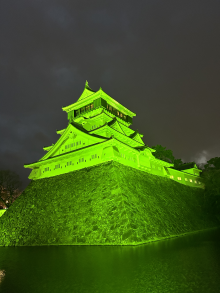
x,y
185,264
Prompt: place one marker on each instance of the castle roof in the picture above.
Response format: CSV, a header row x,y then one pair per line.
x,y
88,96
86,92
187,166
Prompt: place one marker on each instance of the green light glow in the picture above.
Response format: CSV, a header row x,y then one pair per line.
x,y
2,212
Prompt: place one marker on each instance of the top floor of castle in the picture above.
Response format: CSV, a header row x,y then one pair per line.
x,y
91,103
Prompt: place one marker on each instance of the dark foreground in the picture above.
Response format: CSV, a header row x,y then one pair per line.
x,y
185,264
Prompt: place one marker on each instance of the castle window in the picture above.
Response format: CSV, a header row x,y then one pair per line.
x,y
82,110
186,179
88,108
57,166
94,156
179,178
69,163
81,160
46,169
118,113
71,145
110,108
121,115
190,180
171,176
124,117
77,112
91,106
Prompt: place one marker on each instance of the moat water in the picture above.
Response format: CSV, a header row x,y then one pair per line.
x,y
184,264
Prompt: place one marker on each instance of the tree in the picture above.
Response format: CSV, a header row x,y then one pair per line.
x,y
178,163
10,185
213,164
163,154
166,155
211,179
211,176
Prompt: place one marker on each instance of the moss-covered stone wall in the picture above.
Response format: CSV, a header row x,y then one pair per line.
x,y
2,212
108,204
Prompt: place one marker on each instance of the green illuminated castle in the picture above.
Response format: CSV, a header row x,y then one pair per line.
x,y
99,184
98,132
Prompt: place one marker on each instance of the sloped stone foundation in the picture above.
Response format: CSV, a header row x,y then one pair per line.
x,y
108,204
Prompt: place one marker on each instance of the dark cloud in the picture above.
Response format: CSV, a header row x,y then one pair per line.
x,y
158,58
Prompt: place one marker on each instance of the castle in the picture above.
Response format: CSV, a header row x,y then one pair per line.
x,y
98,132
99,184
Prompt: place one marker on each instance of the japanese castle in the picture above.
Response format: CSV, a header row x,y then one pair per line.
x,y
99,131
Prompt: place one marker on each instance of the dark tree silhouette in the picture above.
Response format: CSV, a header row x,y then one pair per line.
x,y
10,185
166,155
213,164
163,154
211,179
211,176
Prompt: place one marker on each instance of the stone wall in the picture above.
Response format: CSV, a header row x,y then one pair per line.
x,y
2,212
108,204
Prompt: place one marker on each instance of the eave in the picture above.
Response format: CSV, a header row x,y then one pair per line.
x,y
99,94
64,155
183,171
48,148
60,131
75,129
136,135
124,136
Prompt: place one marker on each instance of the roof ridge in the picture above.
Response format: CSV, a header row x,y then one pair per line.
x,y
88,87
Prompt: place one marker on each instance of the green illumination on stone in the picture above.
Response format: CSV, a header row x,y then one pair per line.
x,y
2,212
107,204
99,184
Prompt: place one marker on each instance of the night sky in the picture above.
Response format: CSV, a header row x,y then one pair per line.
x,y
160,59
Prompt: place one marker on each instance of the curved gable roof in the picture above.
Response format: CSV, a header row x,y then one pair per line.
x,y
116,125
86,93
72,129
